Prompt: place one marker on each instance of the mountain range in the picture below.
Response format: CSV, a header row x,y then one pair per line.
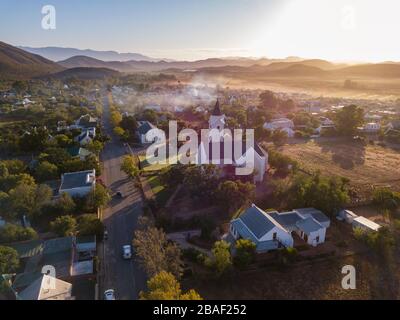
x,y
17,63
59,53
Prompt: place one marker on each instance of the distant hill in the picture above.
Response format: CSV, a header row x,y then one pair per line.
x,y
16,63
83,61
84,73
379,70
310,68
59,54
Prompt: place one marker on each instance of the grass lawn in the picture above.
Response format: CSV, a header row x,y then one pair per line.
x,y
161,193
363,165
146,166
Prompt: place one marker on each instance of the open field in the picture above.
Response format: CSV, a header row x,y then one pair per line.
x,y
365,166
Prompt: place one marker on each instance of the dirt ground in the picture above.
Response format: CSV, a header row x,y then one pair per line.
x,y
319,278
365,166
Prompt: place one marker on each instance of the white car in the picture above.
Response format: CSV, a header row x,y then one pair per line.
x,y
109,294
127,251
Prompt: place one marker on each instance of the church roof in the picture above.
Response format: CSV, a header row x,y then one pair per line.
x,y
217,109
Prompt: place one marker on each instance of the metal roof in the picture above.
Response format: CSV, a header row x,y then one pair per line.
x,y
77,179
258,221
309,225
286,219
314,213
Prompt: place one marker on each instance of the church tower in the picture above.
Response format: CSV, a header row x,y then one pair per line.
x,y
217,119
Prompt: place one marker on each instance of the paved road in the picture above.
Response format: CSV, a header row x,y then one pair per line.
x,y
120,219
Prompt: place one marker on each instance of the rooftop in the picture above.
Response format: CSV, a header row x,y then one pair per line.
x,y
309,225
78,179
258,221
145,126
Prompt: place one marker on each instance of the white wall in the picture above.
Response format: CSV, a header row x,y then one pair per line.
x,y
281,235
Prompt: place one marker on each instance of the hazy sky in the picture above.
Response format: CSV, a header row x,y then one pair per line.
x,y
194,29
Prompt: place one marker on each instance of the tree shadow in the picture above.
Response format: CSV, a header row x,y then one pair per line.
x,y
346,155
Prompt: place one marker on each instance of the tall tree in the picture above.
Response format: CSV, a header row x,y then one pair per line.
x,y
155,253
348,119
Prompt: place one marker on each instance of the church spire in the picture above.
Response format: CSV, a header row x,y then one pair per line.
x,y
217,109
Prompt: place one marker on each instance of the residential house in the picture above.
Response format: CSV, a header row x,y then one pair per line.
x,y
86,121
86,136
143,128
47,287
273,230
78,183
79,152
259,227
154,107
282,124
371,127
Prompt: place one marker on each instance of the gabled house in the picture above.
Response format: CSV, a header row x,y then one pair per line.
x,y
86,136
78,183
259,227
273,230
143,128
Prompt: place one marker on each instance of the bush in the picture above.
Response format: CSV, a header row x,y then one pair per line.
x,y
89,224
9,260
14,233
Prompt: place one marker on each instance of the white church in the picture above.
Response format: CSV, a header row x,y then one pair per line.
x,y
250,155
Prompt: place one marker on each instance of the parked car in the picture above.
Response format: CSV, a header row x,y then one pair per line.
x,y
119,194
109,294
127,251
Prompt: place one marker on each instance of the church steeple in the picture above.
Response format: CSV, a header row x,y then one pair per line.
x,y
217,109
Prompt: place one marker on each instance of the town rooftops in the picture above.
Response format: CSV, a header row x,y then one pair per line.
x,y
257,221
77,179
145,126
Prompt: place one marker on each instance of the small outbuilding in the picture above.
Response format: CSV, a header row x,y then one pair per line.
x,y
365,224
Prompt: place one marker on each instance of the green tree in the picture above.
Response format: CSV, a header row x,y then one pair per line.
x,y
119,132
95,146
348,119
129,166
46,171
9,260
155,253
245,252
64,226
234,194
99,197
29,199
164,286
269,100
14,233
386,198
90,224
222,259
279,137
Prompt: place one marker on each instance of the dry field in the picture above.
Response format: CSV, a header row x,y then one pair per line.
x,y
365,166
